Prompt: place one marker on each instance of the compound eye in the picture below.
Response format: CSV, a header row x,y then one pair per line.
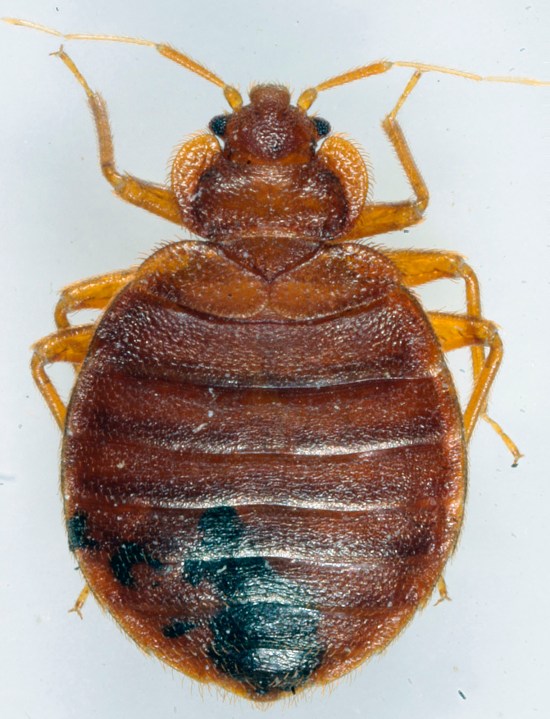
x,y
218,125
322,126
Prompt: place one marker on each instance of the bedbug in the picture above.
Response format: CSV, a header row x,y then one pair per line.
x,y
263,455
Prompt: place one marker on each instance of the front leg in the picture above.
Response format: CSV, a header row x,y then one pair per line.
x,y
153,198
385,217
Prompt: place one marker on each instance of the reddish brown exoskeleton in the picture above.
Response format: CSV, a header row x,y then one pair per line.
x,y
264,455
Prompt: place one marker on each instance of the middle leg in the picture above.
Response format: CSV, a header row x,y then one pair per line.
x,y
419,267
94,293
456,331
68,345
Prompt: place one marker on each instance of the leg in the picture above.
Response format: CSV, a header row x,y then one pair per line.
x,y
81,601
94,293
379,217
68,345
417,268
442,590
456,331
153,198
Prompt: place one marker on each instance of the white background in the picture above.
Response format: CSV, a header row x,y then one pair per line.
x,y
483,150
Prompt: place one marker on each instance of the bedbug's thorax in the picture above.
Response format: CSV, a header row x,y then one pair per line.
x,y
269,200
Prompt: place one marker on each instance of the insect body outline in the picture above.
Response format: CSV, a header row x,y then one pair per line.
x,y
204,465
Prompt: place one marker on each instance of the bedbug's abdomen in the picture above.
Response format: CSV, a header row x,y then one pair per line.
x,y
263,480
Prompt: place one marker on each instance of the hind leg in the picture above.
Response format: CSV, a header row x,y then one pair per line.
x,y
67,345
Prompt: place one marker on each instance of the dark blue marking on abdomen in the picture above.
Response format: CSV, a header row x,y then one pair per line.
x,y
267,645
265,635
78,532
177,628
126,557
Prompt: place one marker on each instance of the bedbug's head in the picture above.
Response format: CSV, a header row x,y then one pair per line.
x,y
257,181
269,129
